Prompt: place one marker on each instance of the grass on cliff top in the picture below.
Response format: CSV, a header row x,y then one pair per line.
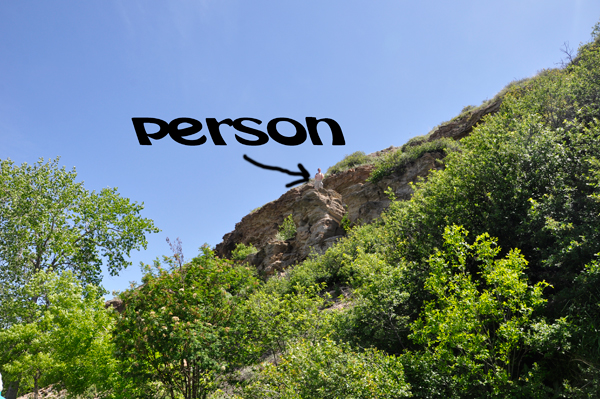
x,y
350,161
398,161
417,146
388,162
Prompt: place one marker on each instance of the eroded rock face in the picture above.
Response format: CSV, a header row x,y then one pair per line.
x,y
462,127
317,214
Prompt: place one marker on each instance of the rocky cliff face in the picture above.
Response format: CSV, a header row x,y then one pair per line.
x,y
318,213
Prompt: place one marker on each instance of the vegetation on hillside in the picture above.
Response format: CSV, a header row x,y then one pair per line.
x,y
485,284
350,161
398,160
287,229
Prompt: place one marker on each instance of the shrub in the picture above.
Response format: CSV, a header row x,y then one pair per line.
x,y
287,229
325,369
417,140
481,328
241,251
345,223
397,161
350,161
281,319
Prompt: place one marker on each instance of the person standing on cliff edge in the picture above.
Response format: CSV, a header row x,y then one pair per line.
x,y
319,179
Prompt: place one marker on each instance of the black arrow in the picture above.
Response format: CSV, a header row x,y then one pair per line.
x,y
303,172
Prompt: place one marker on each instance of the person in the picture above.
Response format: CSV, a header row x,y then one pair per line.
x,y
1,397
319,179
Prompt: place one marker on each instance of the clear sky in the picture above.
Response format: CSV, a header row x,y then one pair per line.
x,y
74,73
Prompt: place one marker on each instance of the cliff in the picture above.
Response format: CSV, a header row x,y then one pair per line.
x,y
318,214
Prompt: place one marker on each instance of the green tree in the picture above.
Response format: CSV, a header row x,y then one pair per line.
x,y
524,175
378,310
278,319
66,337
48,220
185,327
481,329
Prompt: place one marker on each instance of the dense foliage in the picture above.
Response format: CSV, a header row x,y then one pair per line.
x,y
49,221
183,327
63,337
324,369
241,251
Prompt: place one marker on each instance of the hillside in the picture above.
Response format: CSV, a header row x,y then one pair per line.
x,y
347,194
463,264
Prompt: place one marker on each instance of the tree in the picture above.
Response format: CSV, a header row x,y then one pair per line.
x,y
65,340
182,329
482,329
48,220
280,318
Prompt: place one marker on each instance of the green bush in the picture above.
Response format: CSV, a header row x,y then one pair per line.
x,y
287,229
241,251
345,223
337,267
350,161
280,319
414,141
398,160
481,327
376,315
325,369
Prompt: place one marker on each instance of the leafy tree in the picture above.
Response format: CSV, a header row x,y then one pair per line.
x,y
378,311
50,221
185,328
482,327
526,175
278,319
65,338
582,365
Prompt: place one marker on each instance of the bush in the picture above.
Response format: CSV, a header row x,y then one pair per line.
x,y
481,327
281,319
417,140
397,161
325,369
241,251
287,229
350,161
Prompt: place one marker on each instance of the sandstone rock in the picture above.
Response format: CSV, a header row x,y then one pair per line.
x,y
318,213
461,127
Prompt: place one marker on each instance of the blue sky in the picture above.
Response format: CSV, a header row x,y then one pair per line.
x,y
74,73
